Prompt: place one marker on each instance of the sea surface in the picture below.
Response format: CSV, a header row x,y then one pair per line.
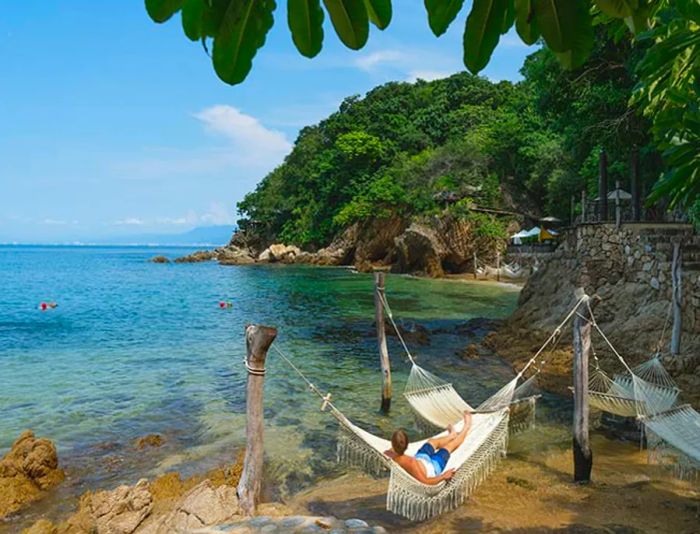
x,y
136,347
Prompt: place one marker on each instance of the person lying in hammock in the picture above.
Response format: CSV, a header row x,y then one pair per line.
x,y
428,466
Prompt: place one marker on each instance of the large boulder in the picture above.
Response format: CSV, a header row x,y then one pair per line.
x,y
27,471
279,253
202,506
232,255
419,249
122,510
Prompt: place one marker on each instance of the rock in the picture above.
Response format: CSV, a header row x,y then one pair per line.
x,y
470,352
279,253
655,283
159,259
26,471
150,440
119,511
420,249
43,526
202,506
364,267
356,523
199,256
232,255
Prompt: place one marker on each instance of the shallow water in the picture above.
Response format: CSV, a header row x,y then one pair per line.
x,y
135,348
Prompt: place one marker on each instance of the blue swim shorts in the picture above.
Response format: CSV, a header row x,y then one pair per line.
x,y
438,458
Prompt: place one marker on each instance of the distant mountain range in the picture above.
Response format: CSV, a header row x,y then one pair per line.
x,y
203,235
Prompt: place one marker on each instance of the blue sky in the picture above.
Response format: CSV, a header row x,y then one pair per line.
x,y
112,125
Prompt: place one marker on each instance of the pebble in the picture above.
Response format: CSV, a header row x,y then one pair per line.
x,y
356,523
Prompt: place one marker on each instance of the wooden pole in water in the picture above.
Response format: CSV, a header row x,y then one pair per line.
x,y
676,279
381,341
498,266
258,340
583,456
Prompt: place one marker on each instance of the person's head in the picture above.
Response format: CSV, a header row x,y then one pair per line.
x,y
399,441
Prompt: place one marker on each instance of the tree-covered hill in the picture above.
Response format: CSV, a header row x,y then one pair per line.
x,y
409,150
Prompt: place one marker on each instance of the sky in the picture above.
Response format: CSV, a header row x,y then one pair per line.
x,y
113,125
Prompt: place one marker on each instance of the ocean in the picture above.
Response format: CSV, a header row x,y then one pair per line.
x,y
135,348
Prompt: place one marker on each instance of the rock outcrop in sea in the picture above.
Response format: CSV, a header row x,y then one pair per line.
x,y
27,471
432,246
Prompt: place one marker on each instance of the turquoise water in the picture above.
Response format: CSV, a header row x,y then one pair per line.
x,y
136,347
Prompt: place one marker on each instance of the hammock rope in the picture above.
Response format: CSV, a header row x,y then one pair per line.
x,y
473,461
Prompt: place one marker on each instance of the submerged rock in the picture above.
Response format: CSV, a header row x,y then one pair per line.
x,y
150,440
27,470
159,259
199,256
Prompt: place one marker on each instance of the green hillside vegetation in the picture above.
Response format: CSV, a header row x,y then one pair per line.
x,y
404,149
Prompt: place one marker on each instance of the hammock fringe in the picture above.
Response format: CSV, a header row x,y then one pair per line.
x,y
409,498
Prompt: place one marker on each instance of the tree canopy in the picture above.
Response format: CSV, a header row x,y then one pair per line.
x,y
668,91
410,150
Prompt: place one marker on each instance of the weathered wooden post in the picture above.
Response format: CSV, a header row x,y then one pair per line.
x,y
618,208
258,340
381,341
676,280
476,267
583,456
583,206
636,193
603,187
498,266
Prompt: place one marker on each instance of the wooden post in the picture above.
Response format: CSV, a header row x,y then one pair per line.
x,y
583,206
476,267
618,212
603,187
258,340
381,341
634,186
498,266
583,456
676,278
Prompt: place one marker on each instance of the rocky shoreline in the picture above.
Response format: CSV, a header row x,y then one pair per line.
x,y
432,246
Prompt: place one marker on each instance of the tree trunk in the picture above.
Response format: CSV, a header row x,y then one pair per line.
x,y
676,278
381,342
258,340
583,456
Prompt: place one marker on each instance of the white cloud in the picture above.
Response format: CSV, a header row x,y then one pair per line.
x,y
130,221
427,75
408,64
217,214
370,62
245,132
54,222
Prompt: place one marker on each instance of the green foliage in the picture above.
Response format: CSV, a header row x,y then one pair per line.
x,y
668,90
305,20
669,93
241,25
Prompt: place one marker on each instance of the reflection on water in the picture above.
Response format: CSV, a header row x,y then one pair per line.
x,y
136,348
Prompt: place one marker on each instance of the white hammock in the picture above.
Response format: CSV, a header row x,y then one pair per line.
x,y
645,390
437,404
673,433
673,437
473,461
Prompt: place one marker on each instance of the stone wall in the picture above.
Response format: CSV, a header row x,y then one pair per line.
x,y
630,269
